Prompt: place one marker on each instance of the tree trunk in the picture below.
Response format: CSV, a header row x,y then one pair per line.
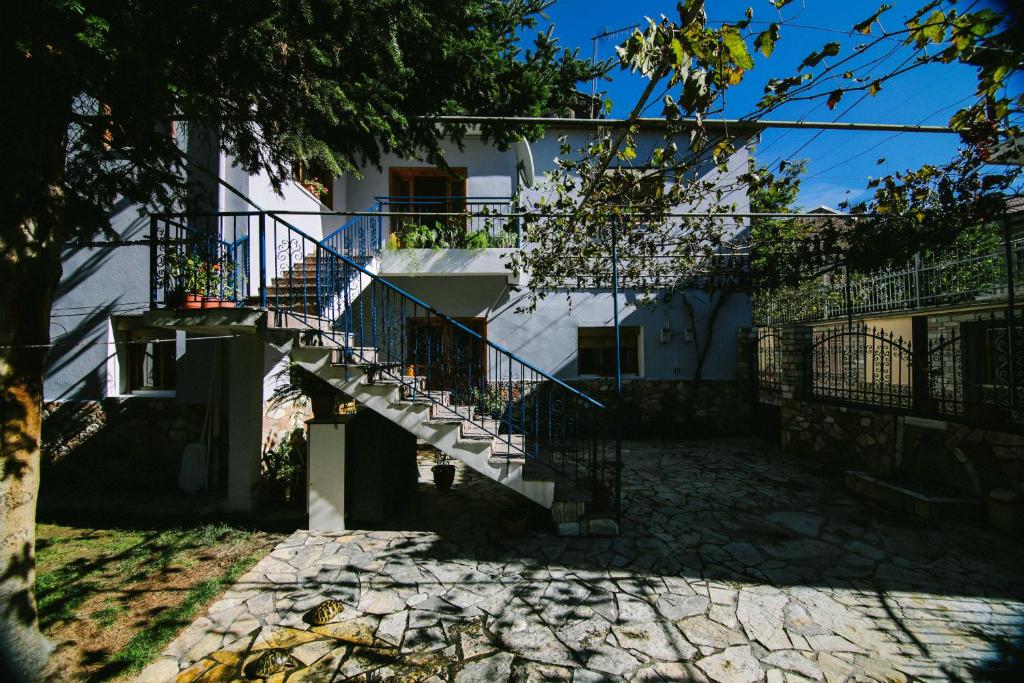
x,y
29,271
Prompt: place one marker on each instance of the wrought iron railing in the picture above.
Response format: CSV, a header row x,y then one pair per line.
x,y
202,257
970,371
975,372
860,365
926,281
324,286
360,238
451,222
769,365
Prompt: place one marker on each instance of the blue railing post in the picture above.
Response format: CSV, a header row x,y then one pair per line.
x,y
263,259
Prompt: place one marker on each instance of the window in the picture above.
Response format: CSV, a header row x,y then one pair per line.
x,y
150,358
596,354
427,191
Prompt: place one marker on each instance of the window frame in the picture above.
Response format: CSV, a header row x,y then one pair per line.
x,y
638,361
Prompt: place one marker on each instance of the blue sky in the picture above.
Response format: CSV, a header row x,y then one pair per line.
x,y
840,162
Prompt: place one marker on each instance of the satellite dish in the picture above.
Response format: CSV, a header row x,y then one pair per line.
x,y
524,162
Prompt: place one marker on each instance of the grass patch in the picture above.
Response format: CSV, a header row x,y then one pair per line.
x,y
148,643
113,598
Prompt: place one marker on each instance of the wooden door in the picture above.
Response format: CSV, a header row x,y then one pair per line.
x,y
449,357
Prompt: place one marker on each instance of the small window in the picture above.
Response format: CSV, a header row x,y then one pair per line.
x,y
597,351
151,358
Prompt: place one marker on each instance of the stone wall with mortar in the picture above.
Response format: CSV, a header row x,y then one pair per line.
x,y
121,444
673,408
936,460
839,436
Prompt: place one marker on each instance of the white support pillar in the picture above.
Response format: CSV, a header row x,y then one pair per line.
x,y
245,419
326,473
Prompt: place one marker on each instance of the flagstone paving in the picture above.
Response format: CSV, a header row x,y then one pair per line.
x,y
735,564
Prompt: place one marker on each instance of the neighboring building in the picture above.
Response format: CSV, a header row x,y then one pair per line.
x,y
113,341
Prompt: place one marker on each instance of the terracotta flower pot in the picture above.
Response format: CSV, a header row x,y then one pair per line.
x,y
192,302
215,302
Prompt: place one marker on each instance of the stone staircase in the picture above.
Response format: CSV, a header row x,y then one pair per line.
x,y
458,430
293,294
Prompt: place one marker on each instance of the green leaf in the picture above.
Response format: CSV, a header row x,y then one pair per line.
x,y
737,48
779,4
874,88
765,41
677,51
812,60
865,26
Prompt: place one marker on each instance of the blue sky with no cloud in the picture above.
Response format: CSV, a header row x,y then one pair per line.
x,y
840,162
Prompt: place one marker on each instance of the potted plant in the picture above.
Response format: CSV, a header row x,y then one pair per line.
x,y
185,270
295,383
443,470
199,283
218,282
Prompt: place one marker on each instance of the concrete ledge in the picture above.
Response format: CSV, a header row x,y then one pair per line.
x,y
910,501
208,320
399,262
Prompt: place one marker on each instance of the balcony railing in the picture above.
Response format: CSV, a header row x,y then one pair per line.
x,y
450,222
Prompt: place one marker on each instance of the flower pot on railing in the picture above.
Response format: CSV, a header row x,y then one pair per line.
x,y
217,302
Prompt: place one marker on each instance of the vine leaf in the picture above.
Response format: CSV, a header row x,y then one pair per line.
x,y
864,27
812,60
765,41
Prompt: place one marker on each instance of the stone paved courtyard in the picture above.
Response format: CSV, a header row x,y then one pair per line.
x,y
735,563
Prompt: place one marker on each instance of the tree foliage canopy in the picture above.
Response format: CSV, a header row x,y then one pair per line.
x,y
598,184
339,81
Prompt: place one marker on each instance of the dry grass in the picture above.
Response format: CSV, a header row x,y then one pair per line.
x,y
111,599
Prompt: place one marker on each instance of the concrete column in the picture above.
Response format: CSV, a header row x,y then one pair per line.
x,y
245,419
796,346
325,470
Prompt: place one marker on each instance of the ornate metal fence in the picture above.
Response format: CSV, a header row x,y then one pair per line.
x,y
975,372
969,371
769,365
861,365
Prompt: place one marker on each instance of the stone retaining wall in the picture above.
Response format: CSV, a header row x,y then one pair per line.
x,y
673,408
948,458
841,437
117,444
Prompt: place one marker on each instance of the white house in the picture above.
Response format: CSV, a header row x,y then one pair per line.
x,y
431,338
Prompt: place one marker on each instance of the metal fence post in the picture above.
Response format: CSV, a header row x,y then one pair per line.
x,y
919,380
917,280
263,260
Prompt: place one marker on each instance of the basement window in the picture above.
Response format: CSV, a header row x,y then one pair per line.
x,y
596,351
150,356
